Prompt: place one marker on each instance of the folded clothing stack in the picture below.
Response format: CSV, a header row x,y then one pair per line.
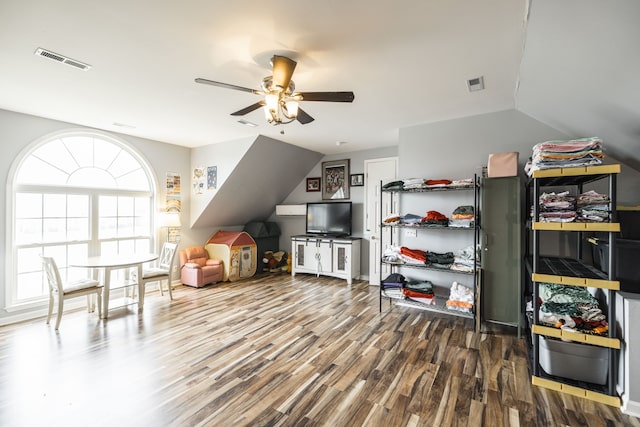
x,y
460,298
420,291
435,218
392,285
462,217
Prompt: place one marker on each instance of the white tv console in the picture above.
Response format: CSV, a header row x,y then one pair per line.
x,y
326,256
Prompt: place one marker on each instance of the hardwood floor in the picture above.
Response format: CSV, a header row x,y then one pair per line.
x,y
275,351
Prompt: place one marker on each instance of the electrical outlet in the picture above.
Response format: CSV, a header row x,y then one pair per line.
x,y
175,268
410,233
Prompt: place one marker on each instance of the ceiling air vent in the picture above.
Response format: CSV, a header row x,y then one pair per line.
x,y
62,59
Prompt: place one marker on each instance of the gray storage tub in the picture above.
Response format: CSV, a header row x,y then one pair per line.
x,y
580,362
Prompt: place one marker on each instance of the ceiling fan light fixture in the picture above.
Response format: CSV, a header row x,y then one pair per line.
x,y
271,101
280,102
290,108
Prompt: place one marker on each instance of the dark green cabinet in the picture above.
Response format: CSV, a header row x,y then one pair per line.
x,y
501,289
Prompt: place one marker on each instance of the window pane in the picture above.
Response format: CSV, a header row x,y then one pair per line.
x,y
35,171
31,285
143,206
123,164
28,205
125,206
77,229
142,225
57,154
143,245
107,228
55,205
28,231
54,230
29,260
136,180
126,247
58,252
104,153
125,227
78,206
109,248
92,177
78,252
108,206
81,147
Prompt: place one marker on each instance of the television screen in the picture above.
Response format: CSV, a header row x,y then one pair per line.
x,y
329,218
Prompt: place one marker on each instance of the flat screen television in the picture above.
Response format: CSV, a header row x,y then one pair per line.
x,y
329,218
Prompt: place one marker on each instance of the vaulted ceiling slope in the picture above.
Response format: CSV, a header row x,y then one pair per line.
x,y
580,71
264,176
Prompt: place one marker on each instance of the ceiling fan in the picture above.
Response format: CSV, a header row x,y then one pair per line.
x,y
280,100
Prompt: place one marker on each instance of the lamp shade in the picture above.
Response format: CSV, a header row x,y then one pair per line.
x,y
170,219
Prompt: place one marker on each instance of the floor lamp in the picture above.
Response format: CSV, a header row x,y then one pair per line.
x,y
170,220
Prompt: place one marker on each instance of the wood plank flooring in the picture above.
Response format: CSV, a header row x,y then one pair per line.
x,y
276,351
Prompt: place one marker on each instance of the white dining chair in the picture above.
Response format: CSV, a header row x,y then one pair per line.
x,y
162,270
62,291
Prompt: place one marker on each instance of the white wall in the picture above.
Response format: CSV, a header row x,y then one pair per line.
x,y
18,131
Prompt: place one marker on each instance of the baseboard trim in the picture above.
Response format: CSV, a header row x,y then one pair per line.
x,y
630,407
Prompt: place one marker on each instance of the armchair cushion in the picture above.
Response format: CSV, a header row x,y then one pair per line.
x,y
197,254
191,265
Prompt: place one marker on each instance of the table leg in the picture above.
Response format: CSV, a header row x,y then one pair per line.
x,y
140,289
105,293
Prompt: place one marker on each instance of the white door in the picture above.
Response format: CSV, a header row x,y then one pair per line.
x,y
376,171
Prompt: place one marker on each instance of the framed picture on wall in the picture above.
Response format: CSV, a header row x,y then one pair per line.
x,y
357,180
313,184
335,180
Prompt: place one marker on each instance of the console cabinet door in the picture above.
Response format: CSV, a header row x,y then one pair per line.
x,y
342,259
305,255
324,256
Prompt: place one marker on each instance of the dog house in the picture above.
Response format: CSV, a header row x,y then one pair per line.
x,y
237,250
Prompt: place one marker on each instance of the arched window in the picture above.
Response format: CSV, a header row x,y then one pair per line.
x,y
76,194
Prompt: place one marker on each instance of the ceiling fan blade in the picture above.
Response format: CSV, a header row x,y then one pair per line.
x,y
303,117
248,109
282,70
327,96
227,86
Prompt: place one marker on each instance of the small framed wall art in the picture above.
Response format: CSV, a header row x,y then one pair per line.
x,y
313,184
357,180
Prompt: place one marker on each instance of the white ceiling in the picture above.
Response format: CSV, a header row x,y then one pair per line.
x,y
406,61
572,64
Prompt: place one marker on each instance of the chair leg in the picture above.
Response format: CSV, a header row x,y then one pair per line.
x,y
50,308
60,309
89,303
169,287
